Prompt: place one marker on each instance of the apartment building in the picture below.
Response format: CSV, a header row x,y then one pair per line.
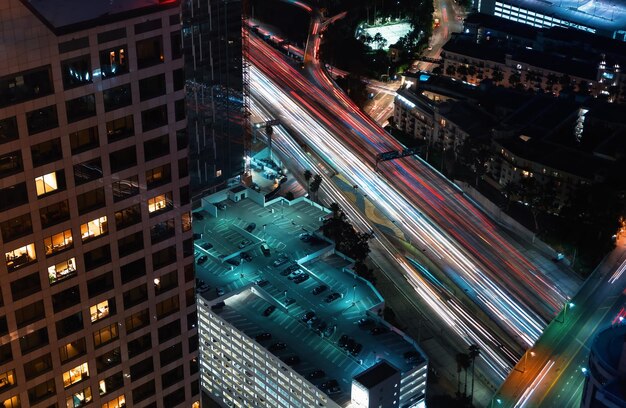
x,y
551,60
97,296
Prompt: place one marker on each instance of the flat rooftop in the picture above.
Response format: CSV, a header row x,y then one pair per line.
x,y
71,15
376,374
249,289
607,16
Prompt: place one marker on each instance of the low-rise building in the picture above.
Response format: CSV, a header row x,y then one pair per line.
x,y
283,320
549,60
558,141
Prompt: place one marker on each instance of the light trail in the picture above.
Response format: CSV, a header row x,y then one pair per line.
x,y
497,358
517,320
618,273
528,393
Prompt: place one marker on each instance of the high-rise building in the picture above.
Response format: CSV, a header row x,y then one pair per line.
x,y
213,69
98,282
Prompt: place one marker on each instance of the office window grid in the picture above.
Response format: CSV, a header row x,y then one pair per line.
x,y
47,138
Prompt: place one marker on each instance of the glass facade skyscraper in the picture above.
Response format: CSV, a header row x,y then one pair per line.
x,y
212,47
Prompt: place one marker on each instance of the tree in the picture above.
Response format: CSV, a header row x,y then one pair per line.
x,y
450,70
347,239
475,154
474,351
307,177
515,79
315,184
497,75
334,207
289,195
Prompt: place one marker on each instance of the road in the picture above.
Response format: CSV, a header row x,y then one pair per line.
x,y
553,376
441,330
433,211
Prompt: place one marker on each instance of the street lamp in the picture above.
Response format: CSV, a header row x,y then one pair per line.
x,y
567,305
525,362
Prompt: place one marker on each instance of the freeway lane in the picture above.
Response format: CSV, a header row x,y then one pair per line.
x,y
463,322
566,341
453,326
440,201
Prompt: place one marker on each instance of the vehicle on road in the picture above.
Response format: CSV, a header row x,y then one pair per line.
x,y
244,243
280,261
203,288
343,341
332,297
292,360
250,227
307,316
365,323
202,259
197,235
206,246
221,206
278,346
316,374
295,274
269,310
289,301
262,282
220,291
319,289
265,249
263,336
234,261
305,236
246,256
299,279
291,268
378,330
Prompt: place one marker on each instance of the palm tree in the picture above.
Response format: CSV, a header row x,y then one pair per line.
x,y
474,351
315,184
334,207
307,176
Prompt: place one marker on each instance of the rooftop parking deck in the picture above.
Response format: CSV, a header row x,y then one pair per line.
x,y
304,294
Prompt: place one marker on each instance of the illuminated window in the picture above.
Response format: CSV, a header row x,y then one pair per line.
x,y
218,173
99,311
105,335
160,203
117,402
13,402
186,221
94,228
20,257
79,399
58,242
76,374
46,184
7,380
62,270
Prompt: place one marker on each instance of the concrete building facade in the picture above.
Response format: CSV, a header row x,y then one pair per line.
x,y
98,278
